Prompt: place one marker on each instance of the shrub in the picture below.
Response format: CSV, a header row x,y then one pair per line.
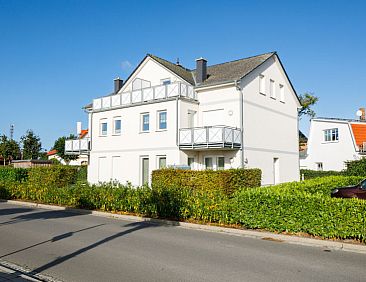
x,y
357,167
226,181
309,174
10,174
55,176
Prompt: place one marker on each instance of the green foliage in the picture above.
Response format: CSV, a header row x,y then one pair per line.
x,y
59,146
226,181
357,167
298,207
9,149
309,174
307,101
53,176
10,174
31,144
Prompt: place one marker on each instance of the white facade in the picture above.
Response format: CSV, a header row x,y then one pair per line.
x,y
331,143
231,124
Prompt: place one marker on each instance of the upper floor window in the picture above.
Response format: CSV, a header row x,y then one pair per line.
x,y
103,127
262,84
117,124
145,122
282,93
165,81
331,135
162,120
272,89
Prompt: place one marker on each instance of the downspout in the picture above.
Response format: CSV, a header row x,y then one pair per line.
x,y
237,85
177,123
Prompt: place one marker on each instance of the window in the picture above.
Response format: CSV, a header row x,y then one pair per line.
x,y
165,81
162,122
319,166
103,127
272,89
162,162
331,135
190,162
145,170
145,122
208,163
220,163
282,93
117,125
262,84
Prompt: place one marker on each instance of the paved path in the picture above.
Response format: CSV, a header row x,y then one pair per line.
x,y
74,247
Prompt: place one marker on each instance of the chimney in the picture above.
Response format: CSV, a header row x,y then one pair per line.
x,y
363,114
118,83
201,70
78,128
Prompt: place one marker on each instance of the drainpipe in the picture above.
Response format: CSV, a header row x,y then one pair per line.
x,y
237,85
177,123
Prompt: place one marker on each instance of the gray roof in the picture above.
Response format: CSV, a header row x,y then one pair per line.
x,y
233,70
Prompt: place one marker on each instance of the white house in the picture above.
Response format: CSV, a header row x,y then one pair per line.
x,y
242,113
333,141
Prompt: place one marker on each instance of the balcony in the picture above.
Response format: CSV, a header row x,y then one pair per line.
x,y
362,148
77,146
159,92
210,137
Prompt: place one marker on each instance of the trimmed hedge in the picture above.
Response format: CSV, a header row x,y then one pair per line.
x,y
357,167
309,174
10,174
304,207
52,176
227,181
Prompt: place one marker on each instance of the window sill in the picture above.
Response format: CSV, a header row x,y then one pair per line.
x,y
274,98
264,94
283,102
328,142
142,132
161,130
103,135
116,134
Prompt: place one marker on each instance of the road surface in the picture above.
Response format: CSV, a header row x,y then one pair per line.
x,y
74,247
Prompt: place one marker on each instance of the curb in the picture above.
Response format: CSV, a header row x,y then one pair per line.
x,y
264,235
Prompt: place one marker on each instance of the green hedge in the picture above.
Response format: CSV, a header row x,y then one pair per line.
x,y
309,174
52,176
227,181
10,174
304,207
357,167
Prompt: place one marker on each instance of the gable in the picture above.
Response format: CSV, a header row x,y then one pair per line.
x,y
359,133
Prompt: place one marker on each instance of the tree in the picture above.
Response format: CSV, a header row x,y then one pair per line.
x,y
31,144
307,100
59,146
9,149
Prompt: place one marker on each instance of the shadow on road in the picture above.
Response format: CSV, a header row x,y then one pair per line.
x,y
135,226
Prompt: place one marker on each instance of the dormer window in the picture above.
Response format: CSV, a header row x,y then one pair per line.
x,y
165,81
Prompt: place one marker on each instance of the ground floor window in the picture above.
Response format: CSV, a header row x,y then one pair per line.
x,y
190,162
319,166
162,162
145,170
215,163
208,163
220,162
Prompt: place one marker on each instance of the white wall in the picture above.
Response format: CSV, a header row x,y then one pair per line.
x,y
271,125
331,154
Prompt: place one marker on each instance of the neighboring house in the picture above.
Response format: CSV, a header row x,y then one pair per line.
x,y
30,163
82,158
333,141
242,113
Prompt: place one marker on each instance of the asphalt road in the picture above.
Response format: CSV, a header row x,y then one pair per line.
x,y
74,247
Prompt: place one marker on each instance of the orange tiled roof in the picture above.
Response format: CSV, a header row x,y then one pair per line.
x,y
83,133
52,152
359,132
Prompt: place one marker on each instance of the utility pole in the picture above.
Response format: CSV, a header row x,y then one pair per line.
x,y
11,131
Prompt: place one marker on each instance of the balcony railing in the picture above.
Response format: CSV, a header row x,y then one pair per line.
x,y
77,146
177,89
210,137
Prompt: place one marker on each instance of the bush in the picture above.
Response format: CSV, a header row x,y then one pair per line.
x,y
10,174
54,176
309,174
357,167
226,181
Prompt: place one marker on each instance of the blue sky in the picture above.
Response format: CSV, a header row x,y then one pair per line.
x,y
56,56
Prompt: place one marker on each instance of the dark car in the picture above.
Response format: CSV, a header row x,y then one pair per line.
x,y
356,191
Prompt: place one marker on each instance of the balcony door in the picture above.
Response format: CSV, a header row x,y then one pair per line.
x,y
191,118
213,117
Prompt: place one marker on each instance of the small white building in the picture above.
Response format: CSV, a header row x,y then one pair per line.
x,y
242,113
332,142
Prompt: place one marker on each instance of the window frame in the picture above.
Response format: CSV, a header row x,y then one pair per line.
x,y
331,135
282,93
142,122
117,118
165,81
101,131
272,89
262,85
160,157
158,120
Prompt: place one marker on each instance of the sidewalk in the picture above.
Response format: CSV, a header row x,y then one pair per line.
x,y
9,274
